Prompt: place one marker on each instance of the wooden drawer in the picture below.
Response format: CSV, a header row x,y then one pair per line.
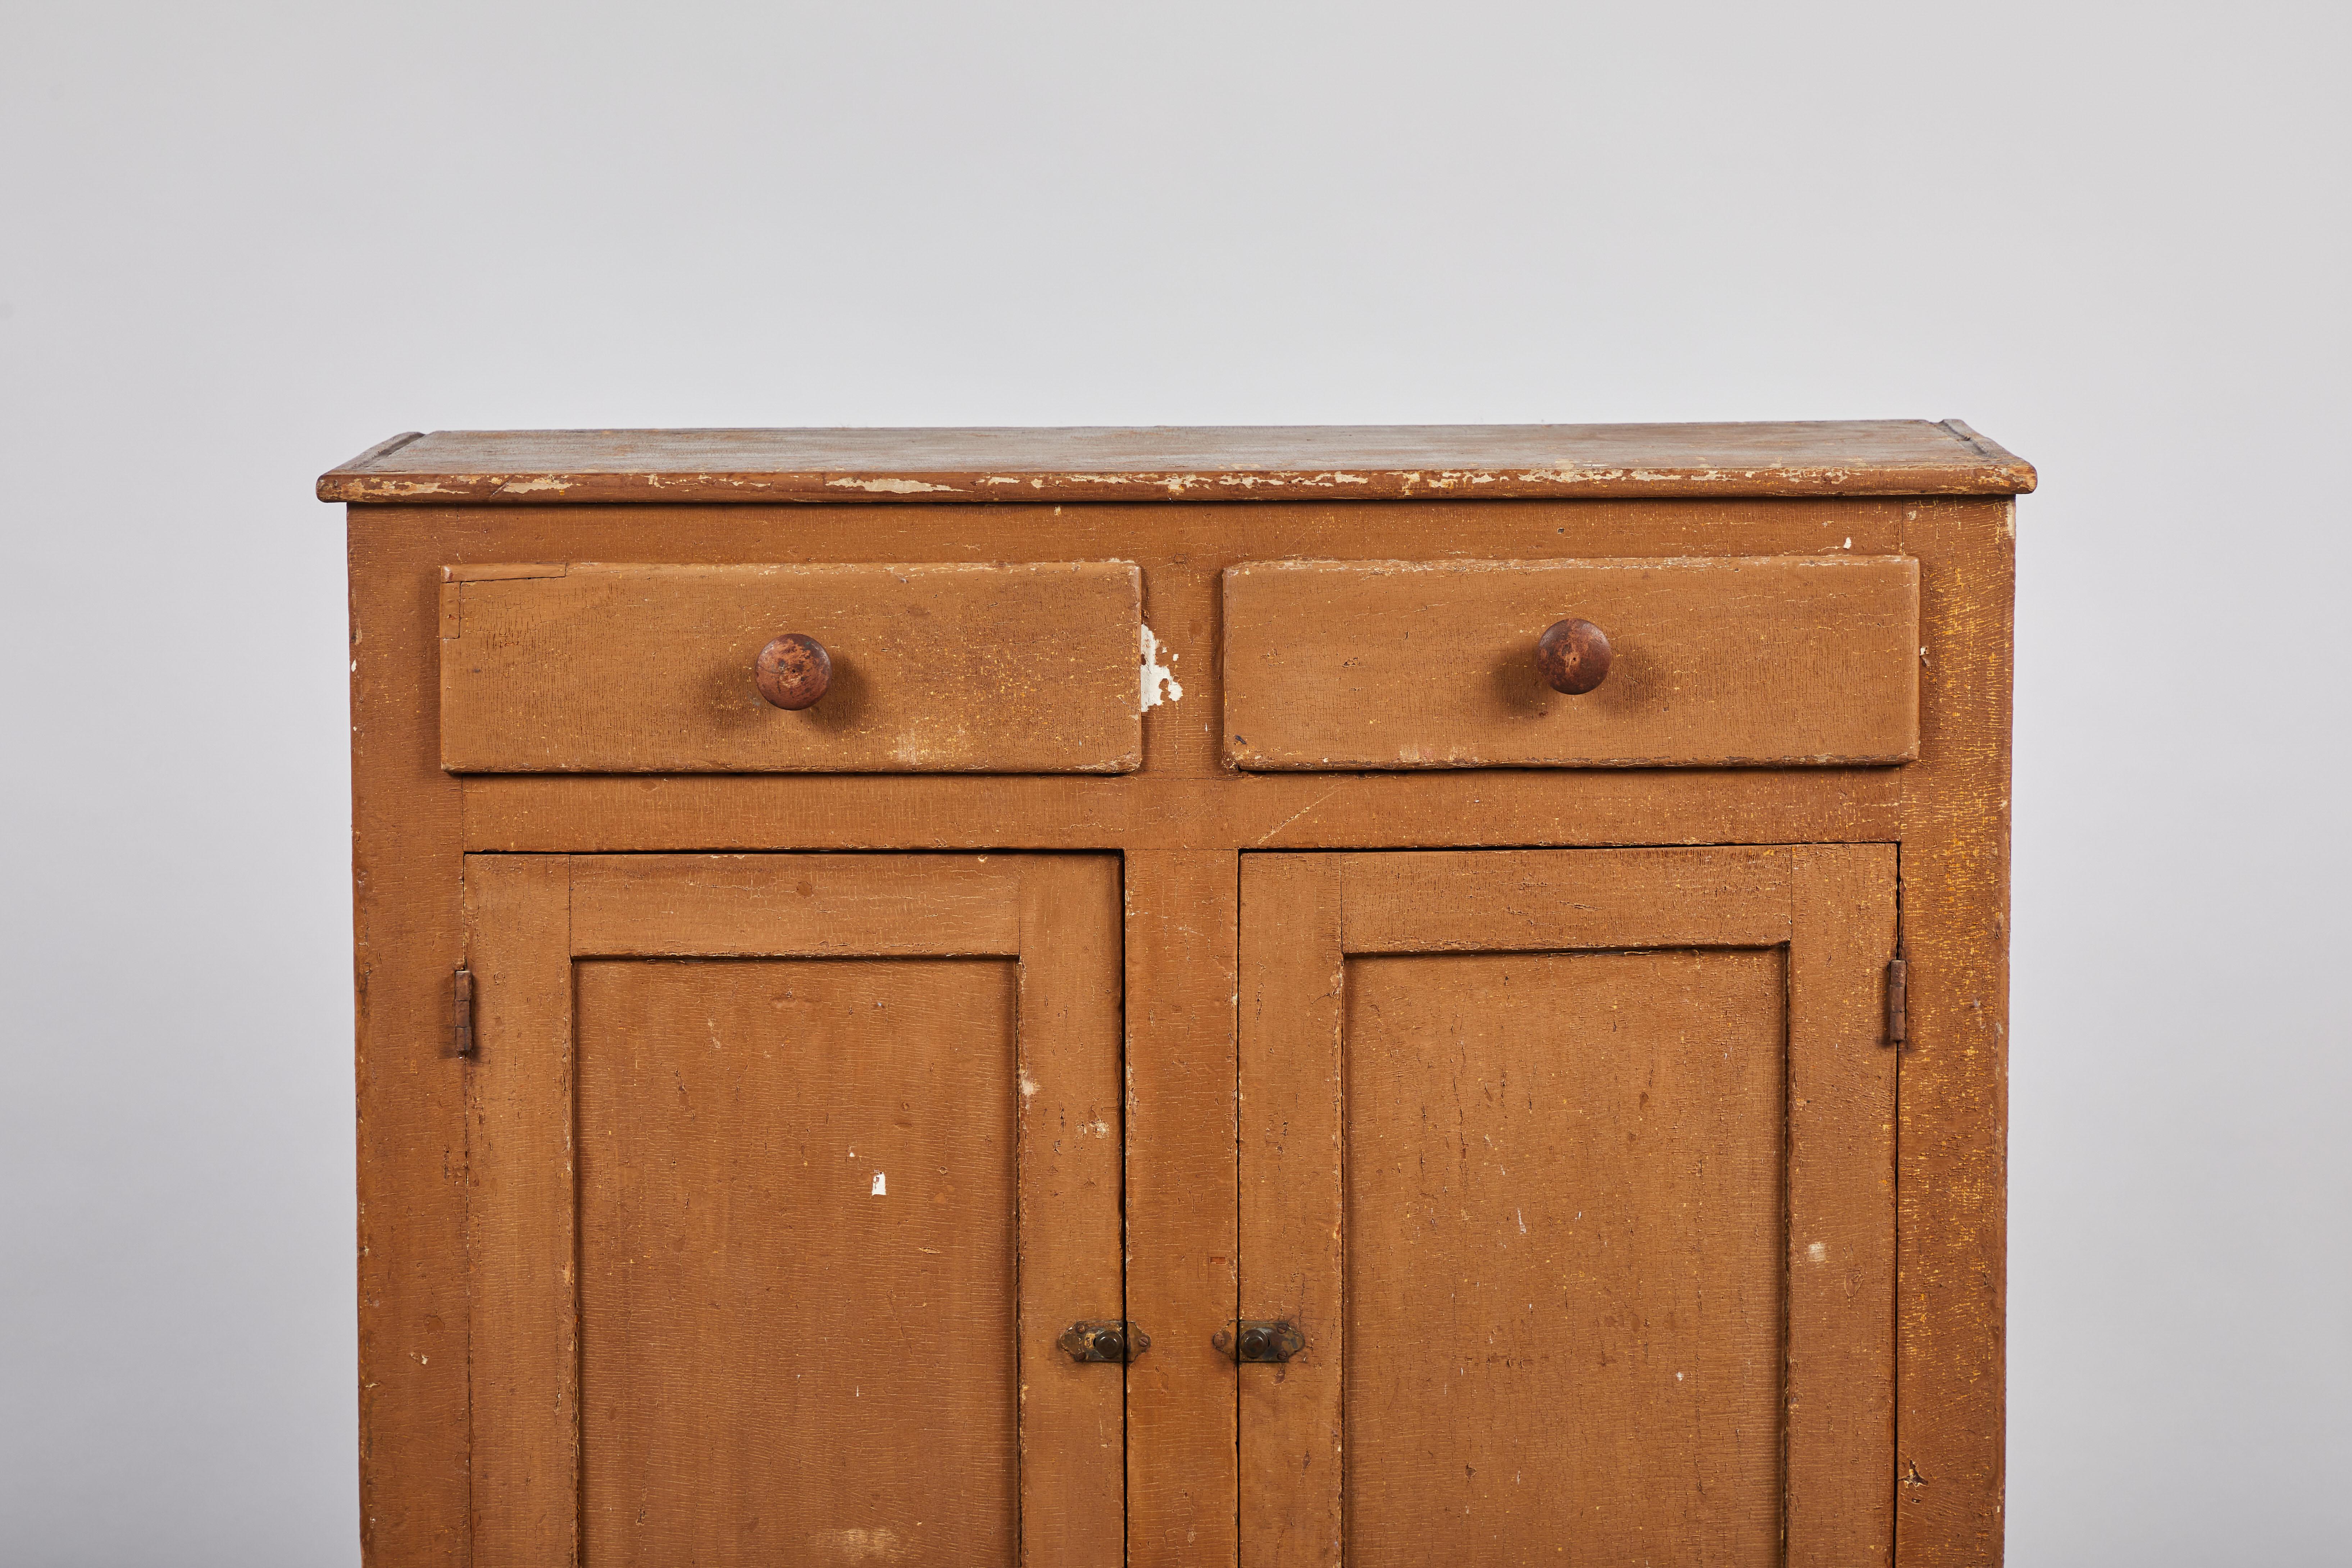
x,y
1754,661
935,668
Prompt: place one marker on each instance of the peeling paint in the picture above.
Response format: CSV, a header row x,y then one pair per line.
x,y
1159,683
881,1186
887,487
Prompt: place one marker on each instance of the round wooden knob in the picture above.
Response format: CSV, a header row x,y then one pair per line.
x,y
793,671
1573,656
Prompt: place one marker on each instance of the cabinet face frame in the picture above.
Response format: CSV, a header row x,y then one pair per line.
x,y
1180,824
1827,910
531,918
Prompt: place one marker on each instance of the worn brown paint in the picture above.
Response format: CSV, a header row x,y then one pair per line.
x,y
439,1480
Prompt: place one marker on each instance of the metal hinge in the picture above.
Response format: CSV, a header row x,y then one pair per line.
x,y
1898,1001
461,1014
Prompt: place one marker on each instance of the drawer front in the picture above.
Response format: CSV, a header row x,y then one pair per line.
x,y
1774,661
934,669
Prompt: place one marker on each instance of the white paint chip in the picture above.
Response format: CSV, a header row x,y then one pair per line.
x,y
1159,683
1819,1252
886,487
881,1186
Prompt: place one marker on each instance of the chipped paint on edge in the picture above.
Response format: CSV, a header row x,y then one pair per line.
x,y
1159,683
886,487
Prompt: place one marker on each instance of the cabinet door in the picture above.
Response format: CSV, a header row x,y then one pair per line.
x,y
785,1175
1574,1171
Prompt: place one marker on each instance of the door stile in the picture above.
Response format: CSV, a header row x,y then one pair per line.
x,y
1292,1192
1839,1375
1068,1034
1182,926
523,1339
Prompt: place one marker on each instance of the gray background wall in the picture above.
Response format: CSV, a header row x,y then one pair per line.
x,y
239,243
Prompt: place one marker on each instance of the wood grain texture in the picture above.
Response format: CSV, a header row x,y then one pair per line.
x,y
1564,1244
1952,1177
833,1211
1252,811
408,934
1842,1235
815,905
1360,463
1073,1415
412,1123
523,1346
1719,1099
1780,662
1182,550
798,1275
1179,819
1181,927
947,667
1473,900
1292,1233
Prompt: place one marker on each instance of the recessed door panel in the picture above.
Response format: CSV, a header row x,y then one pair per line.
x,y
1563,1253
798,1261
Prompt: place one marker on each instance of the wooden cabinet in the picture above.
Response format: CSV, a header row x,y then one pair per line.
x,y
1187,1042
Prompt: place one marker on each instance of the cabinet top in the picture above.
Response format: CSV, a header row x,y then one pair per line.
x,y
1266,462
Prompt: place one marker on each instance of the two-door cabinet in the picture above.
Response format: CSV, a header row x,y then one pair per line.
x,y
1269,997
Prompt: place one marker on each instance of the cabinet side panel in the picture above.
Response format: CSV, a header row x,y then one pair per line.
x,y
1180,1196
1954,1124
408,937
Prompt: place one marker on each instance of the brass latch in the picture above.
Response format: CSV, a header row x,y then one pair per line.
x,y
1261,1340
1120,1341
